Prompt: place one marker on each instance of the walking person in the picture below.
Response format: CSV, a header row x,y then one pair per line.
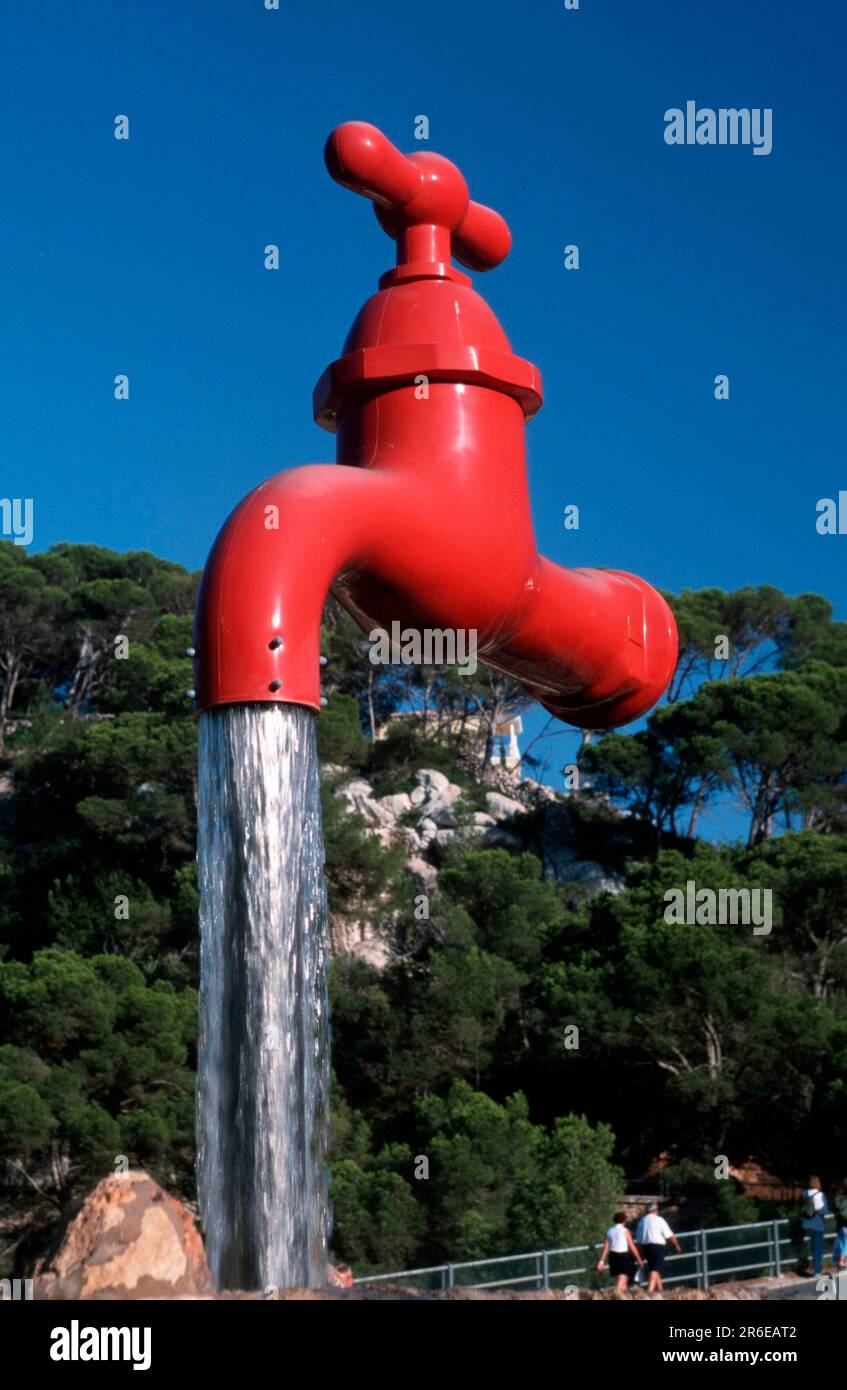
x,y
621,1250
815,1212
652,1238
839,1249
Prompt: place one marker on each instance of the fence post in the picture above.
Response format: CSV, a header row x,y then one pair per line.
x,y
545,1269
704,1254
777,1256
450,1276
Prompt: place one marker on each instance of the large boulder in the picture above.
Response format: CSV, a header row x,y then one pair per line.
x,y
431,782
503,807
562,865
397,804
359,797
130,1239
435,796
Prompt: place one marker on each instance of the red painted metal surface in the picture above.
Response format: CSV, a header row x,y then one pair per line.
x,y
424,519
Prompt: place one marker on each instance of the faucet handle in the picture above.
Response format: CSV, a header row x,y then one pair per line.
x,y
420,199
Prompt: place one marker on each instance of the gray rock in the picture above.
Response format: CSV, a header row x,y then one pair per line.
x,y
397,804
448,794
503,807
406,835
427,830
537,791
424,873
431,780
438,793
357,786
594,878
373,812
359,797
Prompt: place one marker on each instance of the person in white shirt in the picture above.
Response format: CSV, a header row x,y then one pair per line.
x,y
815,1212
652,1236
621,1250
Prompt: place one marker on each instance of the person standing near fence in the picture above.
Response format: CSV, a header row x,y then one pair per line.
x,y
839,1249
652,1238
815,1212
621,1250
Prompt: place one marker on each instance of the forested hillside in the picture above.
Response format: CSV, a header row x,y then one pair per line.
x,y
459,1047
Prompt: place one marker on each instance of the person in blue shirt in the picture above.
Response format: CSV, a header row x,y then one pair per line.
x,y
839,1249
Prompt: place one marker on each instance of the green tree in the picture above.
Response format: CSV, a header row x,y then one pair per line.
x,y
30,609
499,1184
677,761
808,874
781,734
576,1190
512,907
762,627
480,1155
340,738
101,1066
377,1221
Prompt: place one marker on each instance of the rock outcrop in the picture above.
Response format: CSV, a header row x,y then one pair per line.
x,y
130,1239
437,813
431,815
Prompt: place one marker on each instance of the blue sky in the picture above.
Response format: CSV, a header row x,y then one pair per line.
x,y
144,257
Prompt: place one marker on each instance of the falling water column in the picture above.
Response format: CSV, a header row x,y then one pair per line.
x,y
264,1046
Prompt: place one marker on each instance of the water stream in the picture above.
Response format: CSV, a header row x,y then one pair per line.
x,y
264,1046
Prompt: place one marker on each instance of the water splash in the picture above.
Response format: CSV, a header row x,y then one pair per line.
x,y
264,1048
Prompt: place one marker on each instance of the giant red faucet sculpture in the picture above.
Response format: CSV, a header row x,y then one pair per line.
x,y
426,521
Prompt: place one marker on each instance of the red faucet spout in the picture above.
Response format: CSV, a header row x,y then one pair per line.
x,y
435,536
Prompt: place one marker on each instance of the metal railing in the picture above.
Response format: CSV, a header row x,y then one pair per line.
x,y
708,1256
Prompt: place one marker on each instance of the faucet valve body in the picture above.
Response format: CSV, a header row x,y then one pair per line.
x,y
426,521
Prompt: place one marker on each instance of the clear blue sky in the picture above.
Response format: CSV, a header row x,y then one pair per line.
x,y
145,257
